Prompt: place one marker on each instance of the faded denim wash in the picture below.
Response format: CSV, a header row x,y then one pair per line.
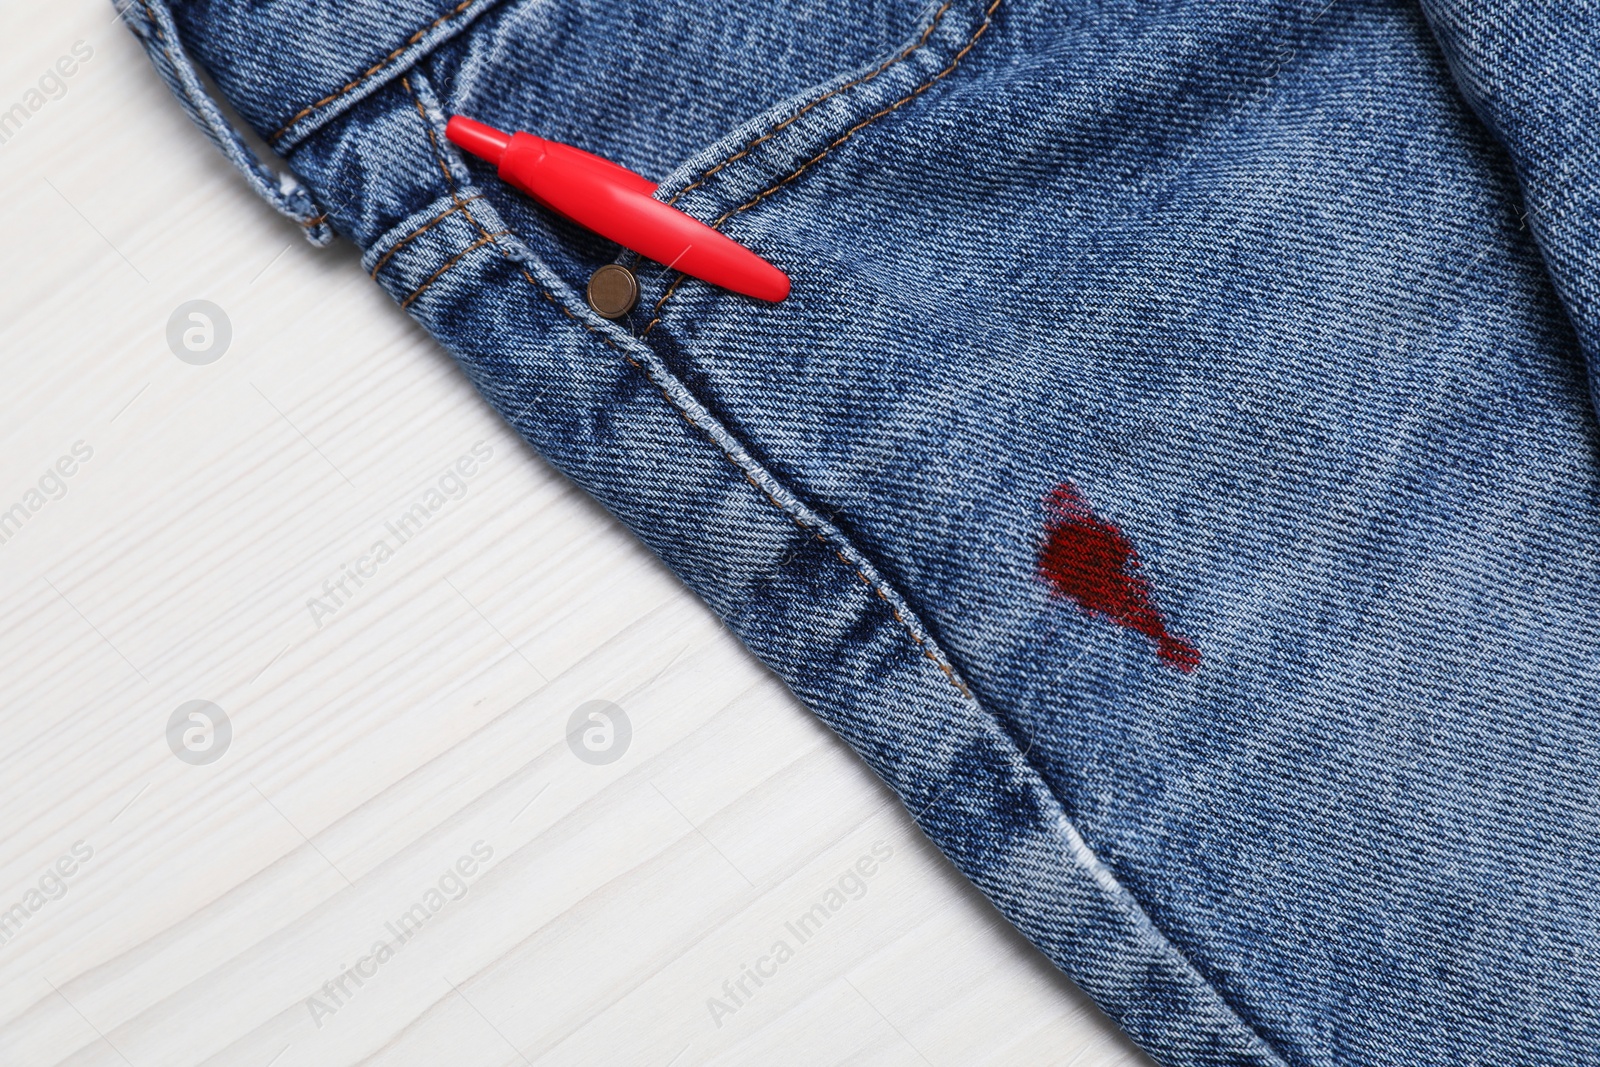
x,y
1175,470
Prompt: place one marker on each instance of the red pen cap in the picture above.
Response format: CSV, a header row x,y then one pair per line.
x,y
485,142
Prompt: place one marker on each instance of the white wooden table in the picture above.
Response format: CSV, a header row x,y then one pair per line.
x,y
390,854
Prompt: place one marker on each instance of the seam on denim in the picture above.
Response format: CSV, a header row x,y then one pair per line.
x,y
459,201
983,27
433,138
944,666
370,71
438,155
449,263
419,231
938,17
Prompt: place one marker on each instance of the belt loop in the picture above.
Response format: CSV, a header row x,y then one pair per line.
x,y
152,23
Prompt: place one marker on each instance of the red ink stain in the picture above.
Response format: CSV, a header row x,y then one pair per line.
x,y
1088,559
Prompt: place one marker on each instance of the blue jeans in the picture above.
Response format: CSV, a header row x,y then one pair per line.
x,y
1174,472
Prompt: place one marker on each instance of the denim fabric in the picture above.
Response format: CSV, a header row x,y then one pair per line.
x,y
1174,470
1533,74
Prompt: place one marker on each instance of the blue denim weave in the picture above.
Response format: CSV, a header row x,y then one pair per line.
x,y
1258,280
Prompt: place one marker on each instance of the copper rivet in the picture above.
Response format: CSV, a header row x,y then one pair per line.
x,y
613,290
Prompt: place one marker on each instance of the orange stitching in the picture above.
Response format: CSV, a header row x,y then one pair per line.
x,y
883,596
451,262
438,154
154,25
841,139
426,226
405,240
459,204
370,71
780,127
947,669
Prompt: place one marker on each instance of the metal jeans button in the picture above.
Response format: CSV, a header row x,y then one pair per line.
x,y
613,290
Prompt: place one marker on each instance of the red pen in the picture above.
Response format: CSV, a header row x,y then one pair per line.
x,y
618,204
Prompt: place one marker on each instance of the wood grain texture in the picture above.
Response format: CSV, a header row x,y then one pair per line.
x,y
416,722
